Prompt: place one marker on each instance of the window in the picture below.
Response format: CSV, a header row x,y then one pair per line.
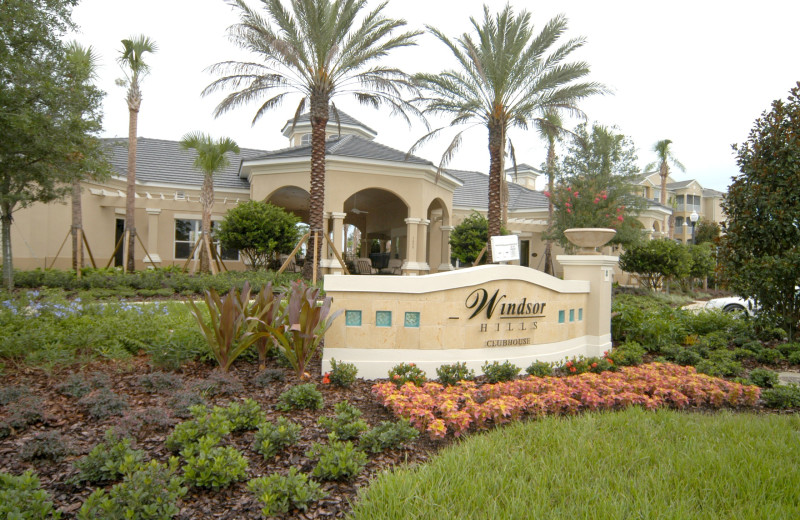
x,y
693,203
678,222
186,234
679,201
305,139
656,194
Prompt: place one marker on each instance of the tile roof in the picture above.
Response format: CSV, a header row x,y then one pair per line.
x,y
474,193
344,119
680,184
165,162
521,167
347,146
708,192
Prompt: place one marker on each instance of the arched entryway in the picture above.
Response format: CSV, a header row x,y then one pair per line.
x,y
438,249
291,198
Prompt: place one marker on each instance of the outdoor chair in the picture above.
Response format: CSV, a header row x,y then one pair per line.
x,y
292,267
394,267
364,266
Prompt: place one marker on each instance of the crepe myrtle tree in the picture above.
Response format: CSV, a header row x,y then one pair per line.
x,y
760,250
317,49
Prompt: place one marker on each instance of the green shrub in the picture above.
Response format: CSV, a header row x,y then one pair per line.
x,y
78,385
103,403
152,418
10,394
407,373
497,372
720,363
150,492
22,413
267,377
782,396
160,382
342,375
300,397
22,498
763,378
204,425
218,384
109,460
794,358
687,356
452,374
581,365
787,349
769,356
49,445
209,466
388,435
280,494
274,437
540,369
242,415
337,460
627,354
346,425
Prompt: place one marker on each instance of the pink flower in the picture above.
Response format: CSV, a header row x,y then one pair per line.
x,y
576,194
596,200
620,218
604,196
569,210
547,194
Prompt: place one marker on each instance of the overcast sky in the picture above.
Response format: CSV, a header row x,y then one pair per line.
x,y
698,73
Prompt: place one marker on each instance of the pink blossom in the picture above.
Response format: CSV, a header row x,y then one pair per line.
x,y
569,210
620,218
596,200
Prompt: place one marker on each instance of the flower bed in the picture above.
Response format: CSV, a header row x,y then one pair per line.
x,y
438,409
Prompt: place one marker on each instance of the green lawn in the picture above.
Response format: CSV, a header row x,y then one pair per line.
x,y
615,465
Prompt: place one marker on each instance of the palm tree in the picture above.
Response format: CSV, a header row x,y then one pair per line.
x,y
506,78
134,67
665,156
551,129
316,50
83,68
210,159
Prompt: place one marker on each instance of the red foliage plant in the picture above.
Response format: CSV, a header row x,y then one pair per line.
x,y
438,409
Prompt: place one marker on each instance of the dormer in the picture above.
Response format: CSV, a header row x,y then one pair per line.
x,y
300,135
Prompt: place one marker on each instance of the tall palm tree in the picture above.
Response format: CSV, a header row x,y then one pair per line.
x,y
665,157
314,49
551,129
131,60
507,77
82,69
211,158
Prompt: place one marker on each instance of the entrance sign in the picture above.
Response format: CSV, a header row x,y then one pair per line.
x,y
505,248
486,313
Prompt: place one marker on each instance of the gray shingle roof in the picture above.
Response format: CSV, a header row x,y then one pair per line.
x,y
160,161
680,184
344,119
521,167
708,192
474,193
348,146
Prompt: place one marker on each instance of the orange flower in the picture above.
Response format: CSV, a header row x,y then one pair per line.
x,y
573,369
594,365
396,377
326,379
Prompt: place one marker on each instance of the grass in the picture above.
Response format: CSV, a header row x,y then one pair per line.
x,y
613,465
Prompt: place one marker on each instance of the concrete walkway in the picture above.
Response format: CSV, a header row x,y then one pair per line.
x,y
789,377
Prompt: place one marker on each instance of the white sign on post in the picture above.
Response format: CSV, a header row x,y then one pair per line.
x,y
505,248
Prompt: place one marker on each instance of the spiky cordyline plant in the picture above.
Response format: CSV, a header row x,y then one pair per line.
x,y
315,49
507,76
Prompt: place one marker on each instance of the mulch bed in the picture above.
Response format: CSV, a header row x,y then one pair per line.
x,y
70,419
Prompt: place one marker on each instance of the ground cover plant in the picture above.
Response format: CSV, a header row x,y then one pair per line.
x,y
604,465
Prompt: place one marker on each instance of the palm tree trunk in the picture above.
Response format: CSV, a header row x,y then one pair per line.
x,y
664,172
316,207
77,223
8,266
495,181
207,200
130,194
549,268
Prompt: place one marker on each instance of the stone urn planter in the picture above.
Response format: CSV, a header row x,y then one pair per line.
x,y
589,239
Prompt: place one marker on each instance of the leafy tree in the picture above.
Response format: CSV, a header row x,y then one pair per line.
x,y
131,60
469,237
258,230
595,188
656,262
706,231
703,261
665,157
507,76
210,158
314,49
760,253
49,114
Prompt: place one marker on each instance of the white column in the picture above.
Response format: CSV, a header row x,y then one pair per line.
x,y
338,239
410,266
422,247
445,265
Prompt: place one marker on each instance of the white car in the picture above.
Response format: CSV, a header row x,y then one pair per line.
x,y
733,304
